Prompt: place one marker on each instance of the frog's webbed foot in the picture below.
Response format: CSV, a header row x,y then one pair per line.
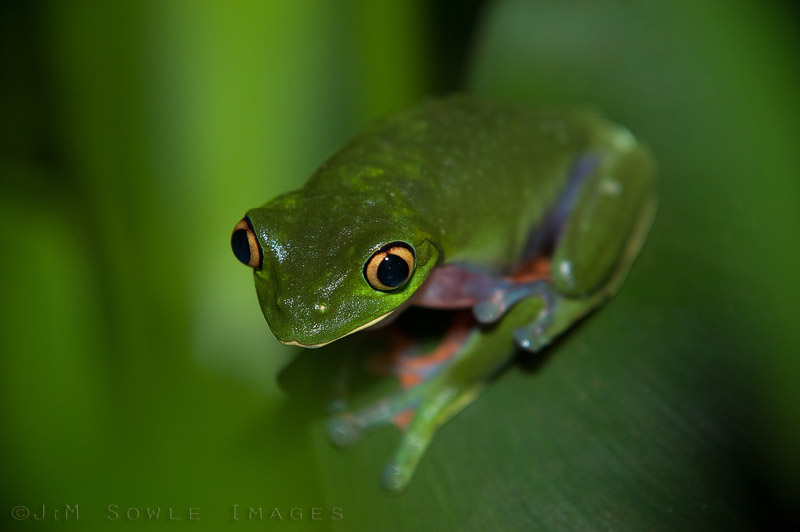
x,y
507,294
348,428
441,403
557,312
532,336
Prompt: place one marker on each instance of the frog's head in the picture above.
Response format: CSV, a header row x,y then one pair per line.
x,y
326,267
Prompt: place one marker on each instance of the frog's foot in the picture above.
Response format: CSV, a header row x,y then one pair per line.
x,y
531,279
414,372
348,428
556,313
534,337
506,295
437,408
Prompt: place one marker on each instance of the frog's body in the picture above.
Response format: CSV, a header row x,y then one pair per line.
x,y
450,167
462,200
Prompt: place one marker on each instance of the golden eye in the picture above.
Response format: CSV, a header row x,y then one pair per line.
x,y
245,244
390,267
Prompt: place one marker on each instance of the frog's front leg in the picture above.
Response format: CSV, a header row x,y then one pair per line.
x,y
452,377
413,369
486,350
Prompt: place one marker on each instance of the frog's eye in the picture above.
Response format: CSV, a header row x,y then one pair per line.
x,y
245,244
390,267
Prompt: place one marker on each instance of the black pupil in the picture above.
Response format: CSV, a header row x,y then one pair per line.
x,y
393,271
241,246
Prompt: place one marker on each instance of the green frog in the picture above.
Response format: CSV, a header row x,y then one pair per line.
x,y
527,219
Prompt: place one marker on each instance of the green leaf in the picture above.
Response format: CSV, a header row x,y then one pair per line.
x,y
669,408
136,371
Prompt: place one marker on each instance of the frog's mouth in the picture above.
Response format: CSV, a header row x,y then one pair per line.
x,y
387,318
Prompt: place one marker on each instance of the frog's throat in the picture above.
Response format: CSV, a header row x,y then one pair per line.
x,y
361,328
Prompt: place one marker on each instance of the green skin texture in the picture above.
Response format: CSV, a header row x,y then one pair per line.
x,y
465,182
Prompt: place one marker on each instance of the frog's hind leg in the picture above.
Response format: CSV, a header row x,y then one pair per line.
x,y
441,383
414,370
601,235
486,351
597,229
608,221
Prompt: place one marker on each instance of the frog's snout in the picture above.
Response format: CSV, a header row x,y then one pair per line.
x,y
245,245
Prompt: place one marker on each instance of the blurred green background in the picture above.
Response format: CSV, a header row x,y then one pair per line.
x,y
136,369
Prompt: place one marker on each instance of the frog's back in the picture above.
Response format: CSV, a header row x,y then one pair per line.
x,y
482,174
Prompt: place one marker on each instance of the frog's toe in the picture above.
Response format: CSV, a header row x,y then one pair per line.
x,y
337,406
395,477
536,334
506,295
487,311
532,338
344,430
